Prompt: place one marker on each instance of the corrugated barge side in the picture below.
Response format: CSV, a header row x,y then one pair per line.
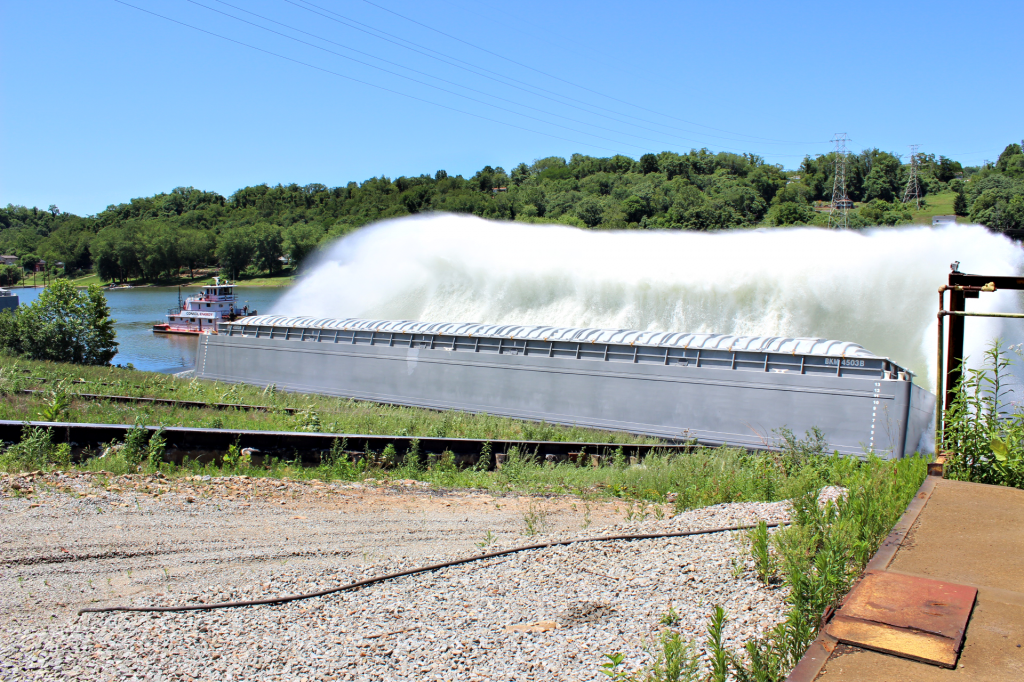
x,y
711,388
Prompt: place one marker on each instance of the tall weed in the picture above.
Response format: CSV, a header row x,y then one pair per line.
x,y
35,451
983,429
823,551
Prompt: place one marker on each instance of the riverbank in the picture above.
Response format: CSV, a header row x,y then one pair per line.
x,y
285,279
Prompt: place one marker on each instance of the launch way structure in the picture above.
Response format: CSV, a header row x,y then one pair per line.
x,y
711,388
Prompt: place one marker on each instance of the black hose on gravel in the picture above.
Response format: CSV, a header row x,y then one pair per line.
x,y
411,571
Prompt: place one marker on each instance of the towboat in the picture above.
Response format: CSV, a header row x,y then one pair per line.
x,y
215,305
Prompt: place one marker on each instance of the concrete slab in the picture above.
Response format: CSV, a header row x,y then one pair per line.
x,y
970,534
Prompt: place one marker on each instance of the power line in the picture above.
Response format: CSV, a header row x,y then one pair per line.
x,y
838,212
913,190
505,80
428,75
414,80
372,31
544,73
361,82
595,56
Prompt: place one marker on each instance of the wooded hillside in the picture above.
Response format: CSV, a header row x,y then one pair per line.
x,y
155,237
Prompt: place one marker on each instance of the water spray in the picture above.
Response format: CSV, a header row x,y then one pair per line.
x,y
874,287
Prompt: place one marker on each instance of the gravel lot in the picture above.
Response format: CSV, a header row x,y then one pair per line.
x,y
70,541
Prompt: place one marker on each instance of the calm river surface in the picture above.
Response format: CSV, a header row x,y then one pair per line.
x,y
137,310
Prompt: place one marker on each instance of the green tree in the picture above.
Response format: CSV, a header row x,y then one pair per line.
x,y
63,325
960,204
790,213
589,210
10,275
634,208
195,249
268,247
300,241
1011,161
235,251
883,181
947,169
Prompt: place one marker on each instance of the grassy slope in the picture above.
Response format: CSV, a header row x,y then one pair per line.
x,y
319,413
702,477
935,204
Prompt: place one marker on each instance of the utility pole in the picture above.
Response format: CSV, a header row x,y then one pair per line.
x,y
838,212
913,190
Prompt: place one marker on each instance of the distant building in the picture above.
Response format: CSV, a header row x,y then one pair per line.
x,y
8,260
495,190
41,266
938,220
844,203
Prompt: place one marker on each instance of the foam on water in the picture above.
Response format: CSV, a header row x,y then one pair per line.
x,y
874,287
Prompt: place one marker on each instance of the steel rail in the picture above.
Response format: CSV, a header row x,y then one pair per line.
x,y
939,369
314,445
170,401
412,571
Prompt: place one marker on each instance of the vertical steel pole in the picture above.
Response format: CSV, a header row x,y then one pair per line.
x,y
955,345
939,371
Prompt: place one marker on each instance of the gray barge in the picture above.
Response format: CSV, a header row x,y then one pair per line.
x,y
8,300
711,388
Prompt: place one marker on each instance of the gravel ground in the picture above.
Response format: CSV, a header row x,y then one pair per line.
x,y
90,540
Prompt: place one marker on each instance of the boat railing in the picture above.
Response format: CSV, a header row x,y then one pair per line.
x,y
213,299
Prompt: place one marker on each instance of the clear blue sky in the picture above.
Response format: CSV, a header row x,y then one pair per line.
x,y
100,102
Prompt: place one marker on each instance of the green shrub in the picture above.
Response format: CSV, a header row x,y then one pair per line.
x,y
823,551
984,432
35,451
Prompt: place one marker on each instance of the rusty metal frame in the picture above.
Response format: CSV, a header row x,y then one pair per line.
x,y
960,286
814,659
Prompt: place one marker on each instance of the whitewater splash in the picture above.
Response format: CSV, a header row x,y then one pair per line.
x,y
877,287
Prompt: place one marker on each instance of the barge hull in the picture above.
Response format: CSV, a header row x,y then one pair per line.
x,y
659,393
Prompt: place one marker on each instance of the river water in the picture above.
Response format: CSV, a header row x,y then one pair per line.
x,y
137,310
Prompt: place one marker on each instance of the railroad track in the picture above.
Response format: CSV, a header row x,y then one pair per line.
x,y
170,401
311,447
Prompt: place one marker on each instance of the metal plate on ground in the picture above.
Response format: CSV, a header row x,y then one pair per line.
x,y
916,618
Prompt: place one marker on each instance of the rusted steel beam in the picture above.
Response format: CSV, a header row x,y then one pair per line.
x,y
938,467
955,347
962,286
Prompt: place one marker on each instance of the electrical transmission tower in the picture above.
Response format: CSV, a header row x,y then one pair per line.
x,y
839,210
913,190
